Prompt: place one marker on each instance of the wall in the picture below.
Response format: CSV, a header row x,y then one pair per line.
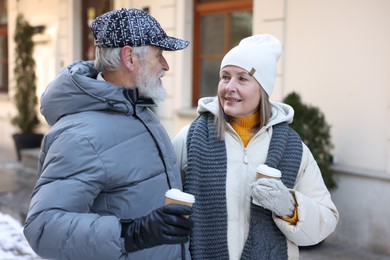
x,y
363,204
7,111
337,57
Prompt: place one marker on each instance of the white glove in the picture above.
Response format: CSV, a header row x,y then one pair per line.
x,y
273,195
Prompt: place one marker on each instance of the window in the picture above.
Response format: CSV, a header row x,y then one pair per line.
x,y
219,25
90,10
3,47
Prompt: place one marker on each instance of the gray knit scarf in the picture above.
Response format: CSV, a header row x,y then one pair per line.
x,y
206,179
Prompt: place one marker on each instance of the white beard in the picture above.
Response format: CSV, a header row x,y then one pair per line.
x,y
150,86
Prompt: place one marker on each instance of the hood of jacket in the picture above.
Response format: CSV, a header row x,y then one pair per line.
x,y
76,89
281,112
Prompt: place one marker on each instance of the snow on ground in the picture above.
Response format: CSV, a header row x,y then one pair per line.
x,y
13,244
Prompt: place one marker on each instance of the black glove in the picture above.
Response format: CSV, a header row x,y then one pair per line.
x,y
165,225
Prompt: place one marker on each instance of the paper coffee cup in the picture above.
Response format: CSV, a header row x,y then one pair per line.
x,y
176,196
264,171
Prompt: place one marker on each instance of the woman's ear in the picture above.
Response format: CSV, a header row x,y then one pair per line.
x,y
127,57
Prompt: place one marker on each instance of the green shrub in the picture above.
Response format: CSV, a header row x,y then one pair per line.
x,y
24,71
311,125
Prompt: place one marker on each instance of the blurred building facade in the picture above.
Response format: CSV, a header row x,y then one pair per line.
x,y
336,56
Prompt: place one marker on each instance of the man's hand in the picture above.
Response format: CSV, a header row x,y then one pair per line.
x,y
166,225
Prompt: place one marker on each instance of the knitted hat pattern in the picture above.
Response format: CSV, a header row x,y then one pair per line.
x,y
258,54
132,27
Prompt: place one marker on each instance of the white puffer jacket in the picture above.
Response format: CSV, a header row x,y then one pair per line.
x,y
317,214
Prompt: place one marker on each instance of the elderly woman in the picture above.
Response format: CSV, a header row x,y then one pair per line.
x,y
235,215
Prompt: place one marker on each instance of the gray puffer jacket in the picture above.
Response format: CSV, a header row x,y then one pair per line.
x,y
106,158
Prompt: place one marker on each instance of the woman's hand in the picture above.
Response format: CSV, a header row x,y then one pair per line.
x,y
273,195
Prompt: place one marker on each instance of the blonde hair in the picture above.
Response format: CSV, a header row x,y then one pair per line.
x,y
265,109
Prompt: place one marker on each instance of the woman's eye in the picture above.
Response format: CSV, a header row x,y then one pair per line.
x,y
243,79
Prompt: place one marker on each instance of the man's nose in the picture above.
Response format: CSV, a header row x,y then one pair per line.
x,y
165,65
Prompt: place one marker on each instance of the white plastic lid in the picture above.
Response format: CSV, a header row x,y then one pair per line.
x,y
177,194
268,171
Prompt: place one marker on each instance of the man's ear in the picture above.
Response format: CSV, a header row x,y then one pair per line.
x,y
128,57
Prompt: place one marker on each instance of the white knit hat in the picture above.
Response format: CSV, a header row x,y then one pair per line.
x,y
258,54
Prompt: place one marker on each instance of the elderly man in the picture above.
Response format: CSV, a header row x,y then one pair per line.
x,y
107,162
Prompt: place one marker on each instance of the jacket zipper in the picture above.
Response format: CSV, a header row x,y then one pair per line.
x,y
245,158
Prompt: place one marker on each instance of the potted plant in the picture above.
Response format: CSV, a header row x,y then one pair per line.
x,y
26,119
310,124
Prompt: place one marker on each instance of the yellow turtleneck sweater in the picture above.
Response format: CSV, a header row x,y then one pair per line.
x,y
244,126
